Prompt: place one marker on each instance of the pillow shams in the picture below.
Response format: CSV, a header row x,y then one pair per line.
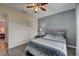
x,y
51,37
60,34
48,37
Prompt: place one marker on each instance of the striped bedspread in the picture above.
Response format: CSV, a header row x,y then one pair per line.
x,y
44,50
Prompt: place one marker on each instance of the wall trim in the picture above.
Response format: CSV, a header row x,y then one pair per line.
x,y
71,46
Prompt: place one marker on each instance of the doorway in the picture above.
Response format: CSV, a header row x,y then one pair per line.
x,y
3,34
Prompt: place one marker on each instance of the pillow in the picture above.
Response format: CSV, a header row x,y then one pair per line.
x,y
48,37
59,38
61,34
51,37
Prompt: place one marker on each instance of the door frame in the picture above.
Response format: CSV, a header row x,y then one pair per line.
x,y
6,17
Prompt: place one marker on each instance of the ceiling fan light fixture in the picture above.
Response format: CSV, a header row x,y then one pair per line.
x,y
36,9
38,6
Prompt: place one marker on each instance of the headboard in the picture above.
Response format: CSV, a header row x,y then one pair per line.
x,y
51,31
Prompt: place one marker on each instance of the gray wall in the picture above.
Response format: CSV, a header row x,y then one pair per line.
x,y
63,20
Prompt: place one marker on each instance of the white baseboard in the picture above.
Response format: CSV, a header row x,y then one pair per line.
x,y
71,46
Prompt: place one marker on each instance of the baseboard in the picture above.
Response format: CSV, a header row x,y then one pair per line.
x,y
71,46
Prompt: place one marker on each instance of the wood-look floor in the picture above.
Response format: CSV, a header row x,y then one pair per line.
x,y
20,51
3,46
71,51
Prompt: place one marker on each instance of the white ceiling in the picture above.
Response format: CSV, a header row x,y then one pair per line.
x,y
52,8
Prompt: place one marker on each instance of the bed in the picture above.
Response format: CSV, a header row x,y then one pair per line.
x,y
53,43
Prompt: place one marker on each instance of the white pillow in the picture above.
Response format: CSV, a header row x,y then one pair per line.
x,y
48,37
58,34
51,37
59,38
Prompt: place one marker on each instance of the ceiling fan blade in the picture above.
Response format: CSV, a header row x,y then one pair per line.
x,y
42,8
30,6
44,3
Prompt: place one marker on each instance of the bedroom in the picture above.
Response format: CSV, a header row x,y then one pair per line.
x,y
24,24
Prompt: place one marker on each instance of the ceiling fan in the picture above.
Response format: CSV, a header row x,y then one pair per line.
x,y
38,6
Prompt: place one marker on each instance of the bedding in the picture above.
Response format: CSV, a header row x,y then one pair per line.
x,y
57,32
46,47
45,50
48,37
52,44
61,34
56,38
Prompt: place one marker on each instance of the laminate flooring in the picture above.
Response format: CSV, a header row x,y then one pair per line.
x,y
20,51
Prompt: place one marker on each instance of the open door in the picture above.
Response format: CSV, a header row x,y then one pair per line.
x,y
3,34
